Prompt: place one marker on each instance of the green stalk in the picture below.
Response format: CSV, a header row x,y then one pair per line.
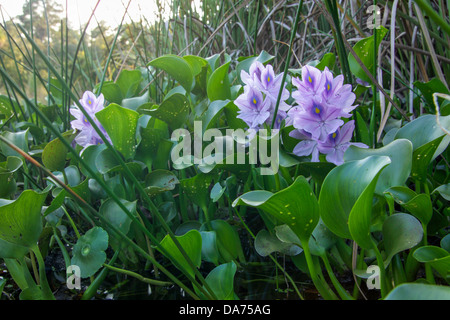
x,y
433,15
46,291
337,285
383,278
323,289
138,276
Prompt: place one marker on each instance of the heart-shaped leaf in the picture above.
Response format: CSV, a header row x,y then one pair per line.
x,y
419,291
437,257
341,189
89,251
266,243
221,281
21,220
177,68
400,232
295,206
219,84
191,242
398,171
160,181
120,123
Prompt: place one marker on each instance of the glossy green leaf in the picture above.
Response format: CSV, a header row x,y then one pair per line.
x,y
422,157
419,205
444,191
398,171
341,189
445,243
20,219
295,206
89,251
360,217
429,88
177,68
328,60
128,82
120,124
437,257
112,92
196,189
55,152
191,242
365,50
114,214
400,232
160,181
425,129
419,291
213,112
221,281
174,110
218,84
8,168
19,139
228,241
10,250
266,243
210,251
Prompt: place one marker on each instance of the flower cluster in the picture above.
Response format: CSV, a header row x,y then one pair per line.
x,y
88,136
323,100
257,103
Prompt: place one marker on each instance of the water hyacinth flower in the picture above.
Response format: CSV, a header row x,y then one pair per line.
x,y
338,142
88,136
322,100
257,103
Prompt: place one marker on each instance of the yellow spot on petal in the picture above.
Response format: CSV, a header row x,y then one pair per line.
x,y
309,79
334,135
268,79
328,87
317,110
254,101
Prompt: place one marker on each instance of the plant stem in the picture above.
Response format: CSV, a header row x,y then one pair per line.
x,y
340,290
326,293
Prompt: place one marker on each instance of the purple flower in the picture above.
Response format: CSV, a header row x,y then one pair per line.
x,y
253,108
88,136
309,86
270,85
335,93
307,146
316,118
254,75
338,142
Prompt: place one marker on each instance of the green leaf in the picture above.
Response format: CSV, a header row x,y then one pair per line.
x,y
360,217
444,191
174,110
328,60
10,250
128,82
401,231
21,220
228,241
295,206
398,171
209,118
422,157
112,92
425,129
219,85
341,189
221,280
8,168
55,152
114,214
160,181
419,205
120,124
197,189
429,88
89,251
177,68
266,243
19,139
191,242
210,251
419,291
437,257
364,49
